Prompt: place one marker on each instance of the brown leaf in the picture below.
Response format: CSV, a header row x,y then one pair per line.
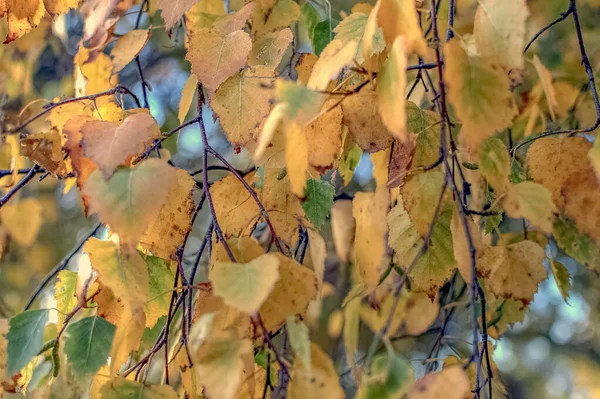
x,y
400,160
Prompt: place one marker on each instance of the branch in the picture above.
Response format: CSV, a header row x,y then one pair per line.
x,y
62,264
118,89
32,172
145,84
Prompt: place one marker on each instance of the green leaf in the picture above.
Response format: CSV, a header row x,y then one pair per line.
x,y
302,103
309,17
323,34
161,284
577,245
517,172
532,201
425,124
88,344
353,28
391,377
25,338
298,334
318,201
64,293
494,163
245,286
349,162
561,276
121,388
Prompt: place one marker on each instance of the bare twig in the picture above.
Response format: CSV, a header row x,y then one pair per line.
x,y
62,264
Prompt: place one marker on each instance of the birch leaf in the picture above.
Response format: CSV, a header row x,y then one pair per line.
x,y
245,286
370,210
532,201
568,155
131,198
88,345
242,102
173,11
391,85
485,107
296,158
128,47
513,271
187,95
317,381
232,50
125,274
392,11
109,144
500,29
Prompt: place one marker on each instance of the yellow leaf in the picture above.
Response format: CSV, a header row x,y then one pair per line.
x,y
324,137
109,144
381,161
414,314
291,294
64,292
318,381
126,274
232,50
370,210
305,65
421,194
23,220
128,47
449,383
334,58
318,254
499,31
391,85
22,16
494,163
462,251
219,364
270,48
568,156
390,13
173,222
342,224
4,327
96,76
481,111
237,211
531,201
128,336
546,82
245,286
45,150
581,192
242,102
513,271
187,95
361,115
280,14
296,158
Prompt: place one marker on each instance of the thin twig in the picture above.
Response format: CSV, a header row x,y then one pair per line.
x,y
62,264
28,177
118,89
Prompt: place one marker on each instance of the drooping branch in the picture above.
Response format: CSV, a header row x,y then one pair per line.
x,y
22,183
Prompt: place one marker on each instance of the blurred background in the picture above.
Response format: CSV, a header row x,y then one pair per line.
x,y
553,353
